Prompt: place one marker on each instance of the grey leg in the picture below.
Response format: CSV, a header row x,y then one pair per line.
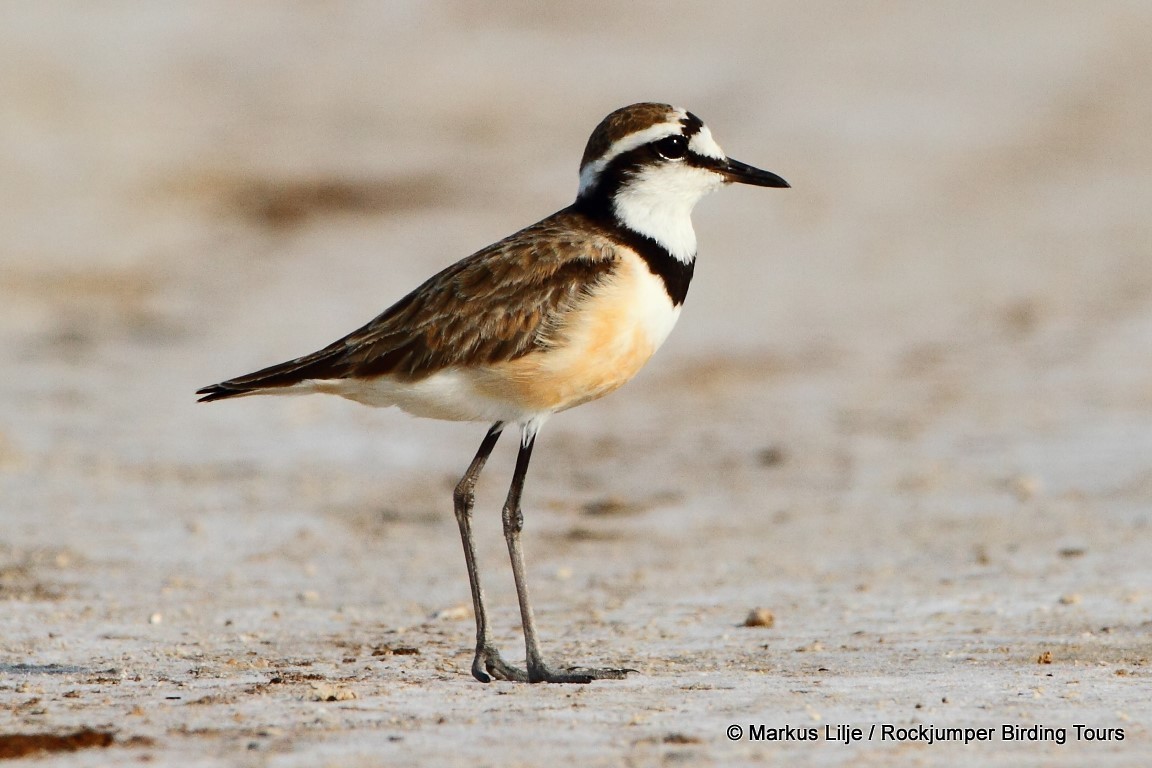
x,y
487,663
513,518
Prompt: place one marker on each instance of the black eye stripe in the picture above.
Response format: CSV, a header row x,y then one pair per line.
x,y
598,196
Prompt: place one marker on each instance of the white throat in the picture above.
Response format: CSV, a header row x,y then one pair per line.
x,y
658,203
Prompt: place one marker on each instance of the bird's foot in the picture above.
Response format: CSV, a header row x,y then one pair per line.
x,y
489,665
542,673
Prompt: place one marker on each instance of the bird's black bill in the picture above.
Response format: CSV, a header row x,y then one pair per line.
x,y
742,173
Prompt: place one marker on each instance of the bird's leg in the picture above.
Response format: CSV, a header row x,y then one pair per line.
x,y
513,518
487,664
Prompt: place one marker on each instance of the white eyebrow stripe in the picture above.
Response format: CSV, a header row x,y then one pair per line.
x,y
592,171
703,144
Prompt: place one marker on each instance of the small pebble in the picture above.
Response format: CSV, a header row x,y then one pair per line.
x,y
760,617
329,692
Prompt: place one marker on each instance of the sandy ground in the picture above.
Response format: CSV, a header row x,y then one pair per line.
x,y
908,409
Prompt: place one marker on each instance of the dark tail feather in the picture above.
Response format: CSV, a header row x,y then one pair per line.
x,y
221,391
324,364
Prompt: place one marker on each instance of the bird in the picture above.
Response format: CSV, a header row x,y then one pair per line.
x,y
556,315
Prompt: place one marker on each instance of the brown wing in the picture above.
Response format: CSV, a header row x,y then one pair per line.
x,y
497,304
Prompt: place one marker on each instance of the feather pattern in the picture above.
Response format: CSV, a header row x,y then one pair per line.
x,y
494,306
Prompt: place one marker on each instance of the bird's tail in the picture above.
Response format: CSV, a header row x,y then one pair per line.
x,y
318,365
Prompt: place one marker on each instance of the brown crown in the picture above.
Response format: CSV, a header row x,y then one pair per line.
x,y
622,122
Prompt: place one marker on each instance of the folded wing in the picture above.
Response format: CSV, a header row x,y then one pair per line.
x,y
496,305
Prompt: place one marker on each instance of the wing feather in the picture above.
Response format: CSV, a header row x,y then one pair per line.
x,y
496,305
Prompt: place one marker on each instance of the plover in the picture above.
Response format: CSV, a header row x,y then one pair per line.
x,y
558,314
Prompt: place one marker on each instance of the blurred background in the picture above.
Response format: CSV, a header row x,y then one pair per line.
x,y
192,191
171,172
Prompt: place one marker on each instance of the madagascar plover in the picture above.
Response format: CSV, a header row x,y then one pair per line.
x,y
556,315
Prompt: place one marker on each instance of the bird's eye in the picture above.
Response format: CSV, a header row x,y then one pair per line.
x,y
672,147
